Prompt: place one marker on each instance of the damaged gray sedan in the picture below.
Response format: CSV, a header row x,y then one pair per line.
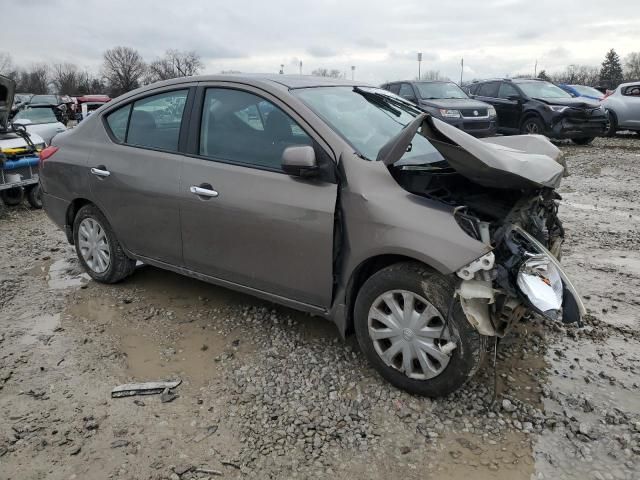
x,y
331,197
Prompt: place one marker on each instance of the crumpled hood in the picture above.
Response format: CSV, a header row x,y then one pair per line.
x,y
7,89
521,161
575,102
453,103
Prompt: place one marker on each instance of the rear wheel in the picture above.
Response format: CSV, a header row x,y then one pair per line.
x,y
532,126
13,196
34,196
97,247
400,320
582,140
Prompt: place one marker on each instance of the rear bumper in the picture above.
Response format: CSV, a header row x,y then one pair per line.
x,y
482,127
56,209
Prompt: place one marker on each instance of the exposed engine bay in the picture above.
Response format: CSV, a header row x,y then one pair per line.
x,y
514,215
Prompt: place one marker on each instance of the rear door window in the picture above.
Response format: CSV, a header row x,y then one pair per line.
x,y
406,91
489,89
155,121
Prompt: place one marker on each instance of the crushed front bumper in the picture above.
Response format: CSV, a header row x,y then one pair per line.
x,y
493,295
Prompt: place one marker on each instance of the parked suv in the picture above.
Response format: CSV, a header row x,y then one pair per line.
x,y
329,196
447,101
540,107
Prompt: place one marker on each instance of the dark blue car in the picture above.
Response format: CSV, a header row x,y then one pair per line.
x,y
582,91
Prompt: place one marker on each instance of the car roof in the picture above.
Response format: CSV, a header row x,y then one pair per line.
x,y
287,81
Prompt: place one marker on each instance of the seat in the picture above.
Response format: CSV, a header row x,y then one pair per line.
x,y
142,128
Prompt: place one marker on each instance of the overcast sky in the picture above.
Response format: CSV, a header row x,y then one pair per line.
x,y
381,38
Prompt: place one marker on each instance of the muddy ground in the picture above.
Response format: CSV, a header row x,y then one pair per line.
x,y
268,392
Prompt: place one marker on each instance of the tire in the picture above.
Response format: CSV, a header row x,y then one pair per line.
x,y
438,290
3,209
34,196
13,196
532,125
582,140
613,125
117,265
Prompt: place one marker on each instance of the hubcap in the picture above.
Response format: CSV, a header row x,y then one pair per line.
x,y
407,333
93,245
531,128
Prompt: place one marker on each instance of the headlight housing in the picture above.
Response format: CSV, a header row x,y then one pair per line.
x,y
539,280
492,112
557,108
446,113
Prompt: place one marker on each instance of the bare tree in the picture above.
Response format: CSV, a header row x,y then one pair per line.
x,y
123,68
432,75
324,72
632,66
35,79
66,78
578,75
173,64
6,63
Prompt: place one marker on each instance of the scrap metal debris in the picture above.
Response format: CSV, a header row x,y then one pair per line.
x,y
148,388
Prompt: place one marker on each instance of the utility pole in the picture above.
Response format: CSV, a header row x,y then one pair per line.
x,y
353,72
461,69
535,70
419,62
300,67
281,69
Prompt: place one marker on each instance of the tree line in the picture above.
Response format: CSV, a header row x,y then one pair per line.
x,y
611,73
123,69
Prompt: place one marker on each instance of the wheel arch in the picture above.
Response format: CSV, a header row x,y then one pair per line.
x,y
360,275
72,211
532,114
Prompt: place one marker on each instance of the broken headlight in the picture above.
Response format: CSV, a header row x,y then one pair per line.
x,y
539,280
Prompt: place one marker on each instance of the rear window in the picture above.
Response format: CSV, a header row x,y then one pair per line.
x,y
489,89
632,91
117,122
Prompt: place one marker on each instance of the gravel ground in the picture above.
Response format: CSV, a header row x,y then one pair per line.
x,y
269,392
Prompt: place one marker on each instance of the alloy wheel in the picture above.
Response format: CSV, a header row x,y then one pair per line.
x,y
531,128
94,245
408,334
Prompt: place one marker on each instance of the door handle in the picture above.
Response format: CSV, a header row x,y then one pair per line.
x,y
100,171
203,192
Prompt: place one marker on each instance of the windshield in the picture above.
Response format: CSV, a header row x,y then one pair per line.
x,y
367,118
435,90
36,115
539,89
587,91
50,99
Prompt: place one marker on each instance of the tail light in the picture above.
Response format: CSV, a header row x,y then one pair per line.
x,y
47,152
608,92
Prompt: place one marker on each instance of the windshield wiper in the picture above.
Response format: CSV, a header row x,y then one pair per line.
x,y
388,102
396,147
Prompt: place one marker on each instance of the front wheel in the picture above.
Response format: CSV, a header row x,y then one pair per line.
x,y
97,247
532,126
400,320
582,140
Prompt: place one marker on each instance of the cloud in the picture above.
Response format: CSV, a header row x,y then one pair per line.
x,y
322,52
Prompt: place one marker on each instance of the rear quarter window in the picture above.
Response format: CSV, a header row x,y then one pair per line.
x,y
117,122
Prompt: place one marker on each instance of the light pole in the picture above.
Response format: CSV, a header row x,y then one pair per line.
x,y
281,69
461,69
419,62
353,72
300,67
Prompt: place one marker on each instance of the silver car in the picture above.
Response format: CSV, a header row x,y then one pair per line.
x,y
40,119
623,106
328,196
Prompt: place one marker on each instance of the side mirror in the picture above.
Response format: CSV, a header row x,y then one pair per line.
x,y
411,98
300,161
514,98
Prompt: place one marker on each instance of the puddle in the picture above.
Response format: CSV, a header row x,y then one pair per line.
x,y
43,327
65,274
